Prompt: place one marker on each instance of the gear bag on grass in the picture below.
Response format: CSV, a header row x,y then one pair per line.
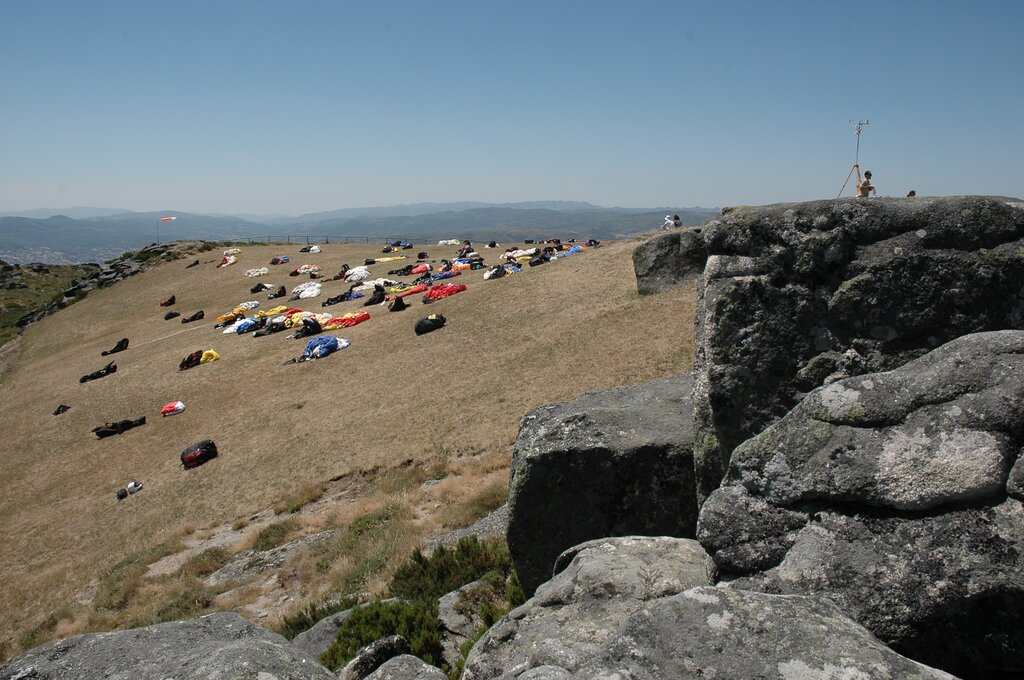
x,y
199,453
430,323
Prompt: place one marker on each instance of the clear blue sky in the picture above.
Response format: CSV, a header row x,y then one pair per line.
x,y
291,107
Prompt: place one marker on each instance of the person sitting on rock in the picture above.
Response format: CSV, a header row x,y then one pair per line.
x,y
864,187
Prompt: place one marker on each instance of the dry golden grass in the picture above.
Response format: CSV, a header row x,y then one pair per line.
x,y
440,400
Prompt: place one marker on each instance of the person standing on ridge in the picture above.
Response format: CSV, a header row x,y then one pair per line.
x,y
864,187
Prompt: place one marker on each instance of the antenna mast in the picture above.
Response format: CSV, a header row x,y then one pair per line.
x,y
858,125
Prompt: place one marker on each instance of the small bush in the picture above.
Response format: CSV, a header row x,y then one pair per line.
x,y
309,616
416,621
205,247
273,535
206,562
448,569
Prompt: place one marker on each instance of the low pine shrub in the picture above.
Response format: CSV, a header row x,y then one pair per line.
x,y
448,569
307,617
416,621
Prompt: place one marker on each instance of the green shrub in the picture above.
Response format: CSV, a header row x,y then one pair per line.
x,y
448,569
416,621
273,535
306,618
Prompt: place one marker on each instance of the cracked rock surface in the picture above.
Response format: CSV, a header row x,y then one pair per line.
x,y
898,495
795,296
610,463
642,608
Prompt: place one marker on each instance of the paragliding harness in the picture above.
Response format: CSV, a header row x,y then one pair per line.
x,y
110,429
191,361
197,454
168,302
310,326
430,323
170,315
377,297
103,372
121,346
281,292
195,317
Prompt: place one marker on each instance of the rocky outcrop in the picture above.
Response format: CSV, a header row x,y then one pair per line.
x,y
372,656
609,463
642,608
457,624
597,586
214,646
898,495
794,296
668,260
406,667
249,563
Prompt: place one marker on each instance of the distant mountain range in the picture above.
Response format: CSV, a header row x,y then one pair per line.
x,y
96,234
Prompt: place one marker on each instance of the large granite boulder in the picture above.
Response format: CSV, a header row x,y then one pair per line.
x,y
740,635
795,296
898,495
611,463
641,608
669,259
596,588
214,646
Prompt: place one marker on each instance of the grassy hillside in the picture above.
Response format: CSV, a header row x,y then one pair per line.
x,y
389,401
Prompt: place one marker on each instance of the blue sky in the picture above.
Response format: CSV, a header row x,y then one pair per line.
x,y
292,107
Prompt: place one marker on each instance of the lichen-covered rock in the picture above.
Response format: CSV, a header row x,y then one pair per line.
x,y
597,586
372,656
609,463
725,633
668,260
896,495
795,296
457,625
406,667
214,646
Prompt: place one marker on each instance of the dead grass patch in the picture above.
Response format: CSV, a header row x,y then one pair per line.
x,y
456,515
301,496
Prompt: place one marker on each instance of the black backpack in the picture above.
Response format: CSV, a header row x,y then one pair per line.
x,y
197,454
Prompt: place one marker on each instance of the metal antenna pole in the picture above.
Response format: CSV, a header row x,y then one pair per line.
x,y
857,127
